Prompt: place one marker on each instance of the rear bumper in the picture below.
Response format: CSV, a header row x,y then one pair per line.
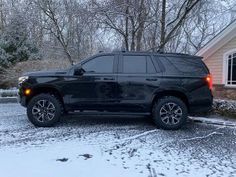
x,y
200,110
204,106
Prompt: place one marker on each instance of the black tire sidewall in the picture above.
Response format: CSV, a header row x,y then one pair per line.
x,y
156,113
50,98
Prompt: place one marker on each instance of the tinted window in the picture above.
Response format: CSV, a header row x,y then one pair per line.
x,y
134,64
169,68
150,67
188,65
182,65
101,64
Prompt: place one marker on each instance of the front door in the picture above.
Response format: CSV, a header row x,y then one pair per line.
x,y
96,88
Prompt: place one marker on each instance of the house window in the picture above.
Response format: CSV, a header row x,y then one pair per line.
x,y
231,75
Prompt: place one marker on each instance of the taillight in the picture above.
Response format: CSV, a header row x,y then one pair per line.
x,y
209,81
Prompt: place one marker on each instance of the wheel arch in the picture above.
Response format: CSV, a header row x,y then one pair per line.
x,y
45,89
176,93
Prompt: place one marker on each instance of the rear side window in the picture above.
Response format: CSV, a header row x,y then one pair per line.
x,y
134,64
137,64
150,66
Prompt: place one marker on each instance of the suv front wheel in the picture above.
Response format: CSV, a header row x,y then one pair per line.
x,y
169,113
44,110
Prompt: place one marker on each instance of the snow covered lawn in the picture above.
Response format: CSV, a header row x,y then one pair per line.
x,y
112,146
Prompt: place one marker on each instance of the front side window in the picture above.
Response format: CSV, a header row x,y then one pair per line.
x,y
101,64
231,69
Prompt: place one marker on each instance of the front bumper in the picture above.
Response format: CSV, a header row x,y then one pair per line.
x,y
21,98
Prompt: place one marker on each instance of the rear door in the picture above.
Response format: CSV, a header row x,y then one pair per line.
x,y
138,79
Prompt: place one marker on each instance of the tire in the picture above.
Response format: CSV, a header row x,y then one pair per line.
x,y
44,110
170,113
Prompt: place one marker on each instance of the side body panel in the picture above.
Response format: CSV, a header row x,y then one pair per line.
x,y
200,97
135,92
91,91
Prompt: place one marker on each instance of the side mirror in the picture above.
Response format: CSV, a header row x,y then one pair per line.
x,y
79,71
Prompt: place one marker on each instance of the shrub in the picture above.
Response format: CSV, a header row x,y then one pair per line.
x,y
15,45
9,77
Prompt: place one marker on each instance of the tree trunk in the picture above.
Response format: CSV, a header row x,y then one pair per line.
x,y
68,56
1,16
132,47
141,21
126,37
163,26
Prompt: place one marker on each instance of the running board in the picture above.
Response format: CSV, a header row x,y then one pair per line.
x,y
90,113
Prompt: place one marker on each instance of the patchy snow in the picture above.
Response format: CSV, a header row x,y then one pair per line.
x,y
112,146
216,120
224,106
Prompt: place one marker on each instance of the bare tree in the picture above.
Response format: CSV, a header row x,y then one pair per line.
x,y
77,29
49,8
169,29
128,19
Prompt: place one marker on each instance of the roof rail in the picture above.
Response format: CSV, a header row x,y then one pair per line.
x,y
117,50
175,53
123,50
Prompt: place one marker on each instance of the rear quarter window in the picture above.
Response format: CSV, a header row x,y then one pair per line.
x,y
166,65
188,65
183,65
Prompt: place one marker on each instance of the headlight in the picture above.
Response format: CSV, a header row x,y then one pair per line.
x,y
22,79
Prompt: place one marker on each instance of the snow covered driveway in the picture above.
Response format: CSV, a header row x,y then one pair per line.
x,y
112,147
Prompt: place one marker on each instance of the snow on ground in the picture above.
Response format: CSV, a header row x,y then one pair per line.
x,y
112,146
219,120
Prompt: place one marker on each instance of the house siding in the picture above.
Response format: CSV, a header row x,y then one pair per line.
x,y
215,61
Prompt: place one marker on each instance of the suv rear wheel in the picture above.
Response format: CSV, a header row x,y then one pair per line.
x,y
169,113
44,110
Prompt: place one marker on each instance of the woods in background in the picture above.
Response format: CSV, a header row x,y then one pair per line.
x,y
70,30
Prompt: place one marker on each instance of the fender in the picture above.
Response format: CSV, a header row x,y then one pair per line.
x,y
174,91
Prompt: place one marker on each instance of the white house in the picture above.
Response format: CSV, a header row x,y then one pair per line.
x,y
219,54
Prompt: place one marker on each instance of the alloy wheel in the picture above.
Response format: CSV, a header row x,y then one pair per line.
x,y
171,113
43,110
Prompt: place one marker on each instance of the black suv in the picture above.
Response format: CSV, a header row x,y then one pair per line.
x,y
166,86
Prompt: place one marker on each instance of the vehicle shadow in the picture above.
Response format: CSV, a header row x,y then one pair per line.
x,y
111,121
85,120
